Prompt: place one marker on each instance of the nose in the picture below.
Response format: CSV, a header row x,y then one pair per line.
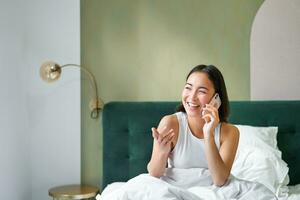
x,y
193,95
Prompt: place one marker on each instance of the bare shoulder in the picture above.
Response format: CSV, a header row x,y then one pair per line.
x,y
169,121
229,131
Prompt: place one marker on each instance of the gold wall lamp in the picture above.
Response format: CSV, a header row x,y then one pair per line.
x,y
51,71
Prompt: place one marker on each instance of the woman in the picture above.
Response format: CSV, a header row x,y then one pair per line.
x,y
198,135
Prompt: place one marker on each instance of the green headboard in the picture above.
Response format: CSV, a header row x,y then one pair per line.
x,y
127,140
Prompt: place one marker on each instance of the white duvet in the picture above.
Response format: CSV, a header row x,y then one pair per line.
x,y
185,184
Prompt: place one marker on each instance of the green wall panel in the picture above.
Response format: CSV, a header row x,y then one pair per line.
x,y
142,51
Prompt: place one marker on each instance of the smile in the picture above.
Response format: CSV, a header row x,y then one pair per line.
x,y
192,105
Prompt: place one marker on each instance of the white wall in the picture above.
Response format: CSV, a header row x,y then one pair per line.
x,y
275,51
14,142
40,123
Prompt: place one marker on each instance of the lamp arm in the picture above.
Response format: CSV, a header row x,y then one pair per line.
x,y
95,110
89,74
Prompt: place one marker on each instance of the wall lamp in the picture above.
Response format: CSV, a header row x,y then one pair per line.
x,y
51,71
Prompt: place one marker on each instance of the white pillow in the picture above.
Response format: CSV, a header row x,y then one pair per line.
x,y
257,136
259,159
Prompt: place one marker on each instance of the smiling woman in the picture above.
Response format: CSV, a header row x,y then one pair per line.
x,y
158,42
211,77
192,150
198,135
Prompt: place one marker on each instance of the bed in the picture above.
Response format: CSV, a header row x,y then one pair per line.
x,y
127,140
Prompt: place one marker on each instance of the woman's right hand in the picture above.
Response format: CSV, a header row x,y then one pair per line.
x,y
163,139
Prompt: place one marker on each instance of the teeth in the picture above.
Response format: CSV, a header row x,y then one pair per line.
x,y
192,105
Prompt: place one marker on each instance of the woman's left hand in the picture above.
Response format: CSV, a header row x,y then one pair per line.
x,y
211,118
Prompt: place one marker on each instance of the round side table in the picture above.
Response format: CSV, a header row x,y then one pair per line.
x,y
73,192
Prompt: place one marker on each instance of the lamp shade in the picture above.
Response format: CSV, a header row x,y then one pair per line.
x,y
50,71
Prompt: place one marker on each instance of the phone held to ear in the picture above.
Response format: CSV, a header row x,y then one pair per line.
x,y
215,101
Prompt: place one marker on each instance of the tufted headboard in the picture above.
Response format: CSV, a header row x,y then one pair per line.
x,y
127,140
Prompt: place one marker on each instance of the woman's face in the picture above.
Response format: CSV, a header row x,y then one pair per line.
x,y
197,92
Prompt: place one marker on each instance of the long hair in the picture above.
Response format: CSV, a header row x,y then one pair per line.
x,y
217,79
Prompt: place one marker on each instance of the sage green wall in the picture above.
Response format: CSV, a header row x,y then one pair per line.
x,y
141,50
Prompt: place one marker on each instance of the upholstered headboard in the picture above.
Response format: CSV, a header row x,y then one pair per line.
x,y
127,136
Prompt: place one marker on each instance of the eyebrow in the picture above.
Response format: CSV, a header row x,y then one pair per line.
x,y
201,87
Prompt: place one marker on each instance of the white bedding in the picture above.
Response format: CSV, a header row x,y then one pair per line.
x,y
185,184
258,159
294,192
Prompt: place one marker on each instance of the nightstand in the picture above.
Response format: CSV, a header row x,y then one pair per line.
x,y
73,192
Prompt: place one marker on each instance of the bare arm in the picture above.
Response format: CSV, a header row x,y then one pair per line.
x,y
162,138
220,162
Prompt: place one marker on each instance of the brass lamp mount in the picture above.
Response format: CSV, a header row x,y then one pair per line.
x,y
51,71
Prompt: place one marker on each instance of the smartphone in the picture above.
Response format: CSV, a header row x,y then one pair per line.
x,y
215,101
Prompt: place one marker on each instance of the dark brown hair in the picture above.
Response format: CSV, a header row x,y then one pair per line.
x,y
217,79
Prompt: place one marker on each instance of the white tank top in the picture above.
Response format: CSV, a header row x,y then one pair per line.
x,y
189,150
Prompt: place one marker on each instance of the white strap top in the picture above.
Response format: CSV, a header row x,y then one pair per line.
x,y
189,150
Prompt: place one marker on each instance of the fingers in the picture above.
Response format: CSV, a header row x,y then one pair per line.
x,y
210,114
210,109
167,136
164,131
155,133
168,139
163,137
207,117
